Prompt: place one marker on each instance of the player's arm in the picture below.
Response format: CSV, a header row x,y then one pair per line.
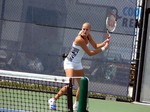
x,y
79,41
99,45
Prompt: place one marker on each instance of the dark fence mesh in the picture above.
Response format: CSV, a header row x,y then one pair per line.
x,y
35,33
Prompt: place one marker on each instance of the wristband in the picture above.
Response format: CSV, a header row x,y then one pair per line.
x,y
103,48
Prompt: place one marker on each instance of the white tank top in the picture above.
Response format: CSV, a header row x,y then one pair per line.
x,y
76,53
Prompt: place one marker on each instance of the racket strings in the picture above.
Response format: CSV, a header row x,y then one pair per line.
x,y
111,22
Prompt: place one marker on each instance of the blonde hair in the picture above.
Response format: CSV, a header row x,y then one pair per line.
x,y
86,23
79,33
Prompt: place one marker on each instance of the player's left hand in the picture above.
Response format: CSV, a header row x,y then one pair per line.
x,y
106,41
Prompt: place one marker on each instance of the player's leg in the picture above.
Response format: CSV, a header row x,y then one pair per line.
x,y
52,101
69,73
78,73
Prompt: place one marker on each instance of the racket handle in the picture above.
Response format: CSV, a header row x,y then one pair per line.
x,y
108,34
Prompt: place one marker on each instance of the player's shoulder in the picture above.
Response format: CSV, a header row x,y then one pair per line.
x,y
79,40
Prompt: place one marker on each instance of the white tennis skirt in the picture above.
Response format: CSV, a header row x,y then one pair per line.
x,y
72,65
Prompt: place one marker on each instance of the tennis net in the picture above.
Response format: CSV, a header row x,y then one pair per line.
x,y
29,92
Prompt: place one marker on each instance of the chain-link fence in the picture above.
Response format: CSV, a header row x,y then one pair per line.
x,y
35,33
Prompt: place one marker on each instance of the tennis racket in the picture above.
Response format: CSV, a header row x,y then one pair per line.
x,y
111,22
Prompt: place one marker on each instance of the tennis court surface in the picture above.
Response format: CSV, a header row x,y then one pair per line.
x,y
97,105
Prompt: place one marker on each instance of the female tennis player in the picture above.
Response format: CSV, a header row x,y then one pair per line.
x,y
72,63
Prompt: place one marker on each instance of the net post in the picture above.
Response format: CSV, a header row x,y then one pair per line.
x,y
69,96
83,94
